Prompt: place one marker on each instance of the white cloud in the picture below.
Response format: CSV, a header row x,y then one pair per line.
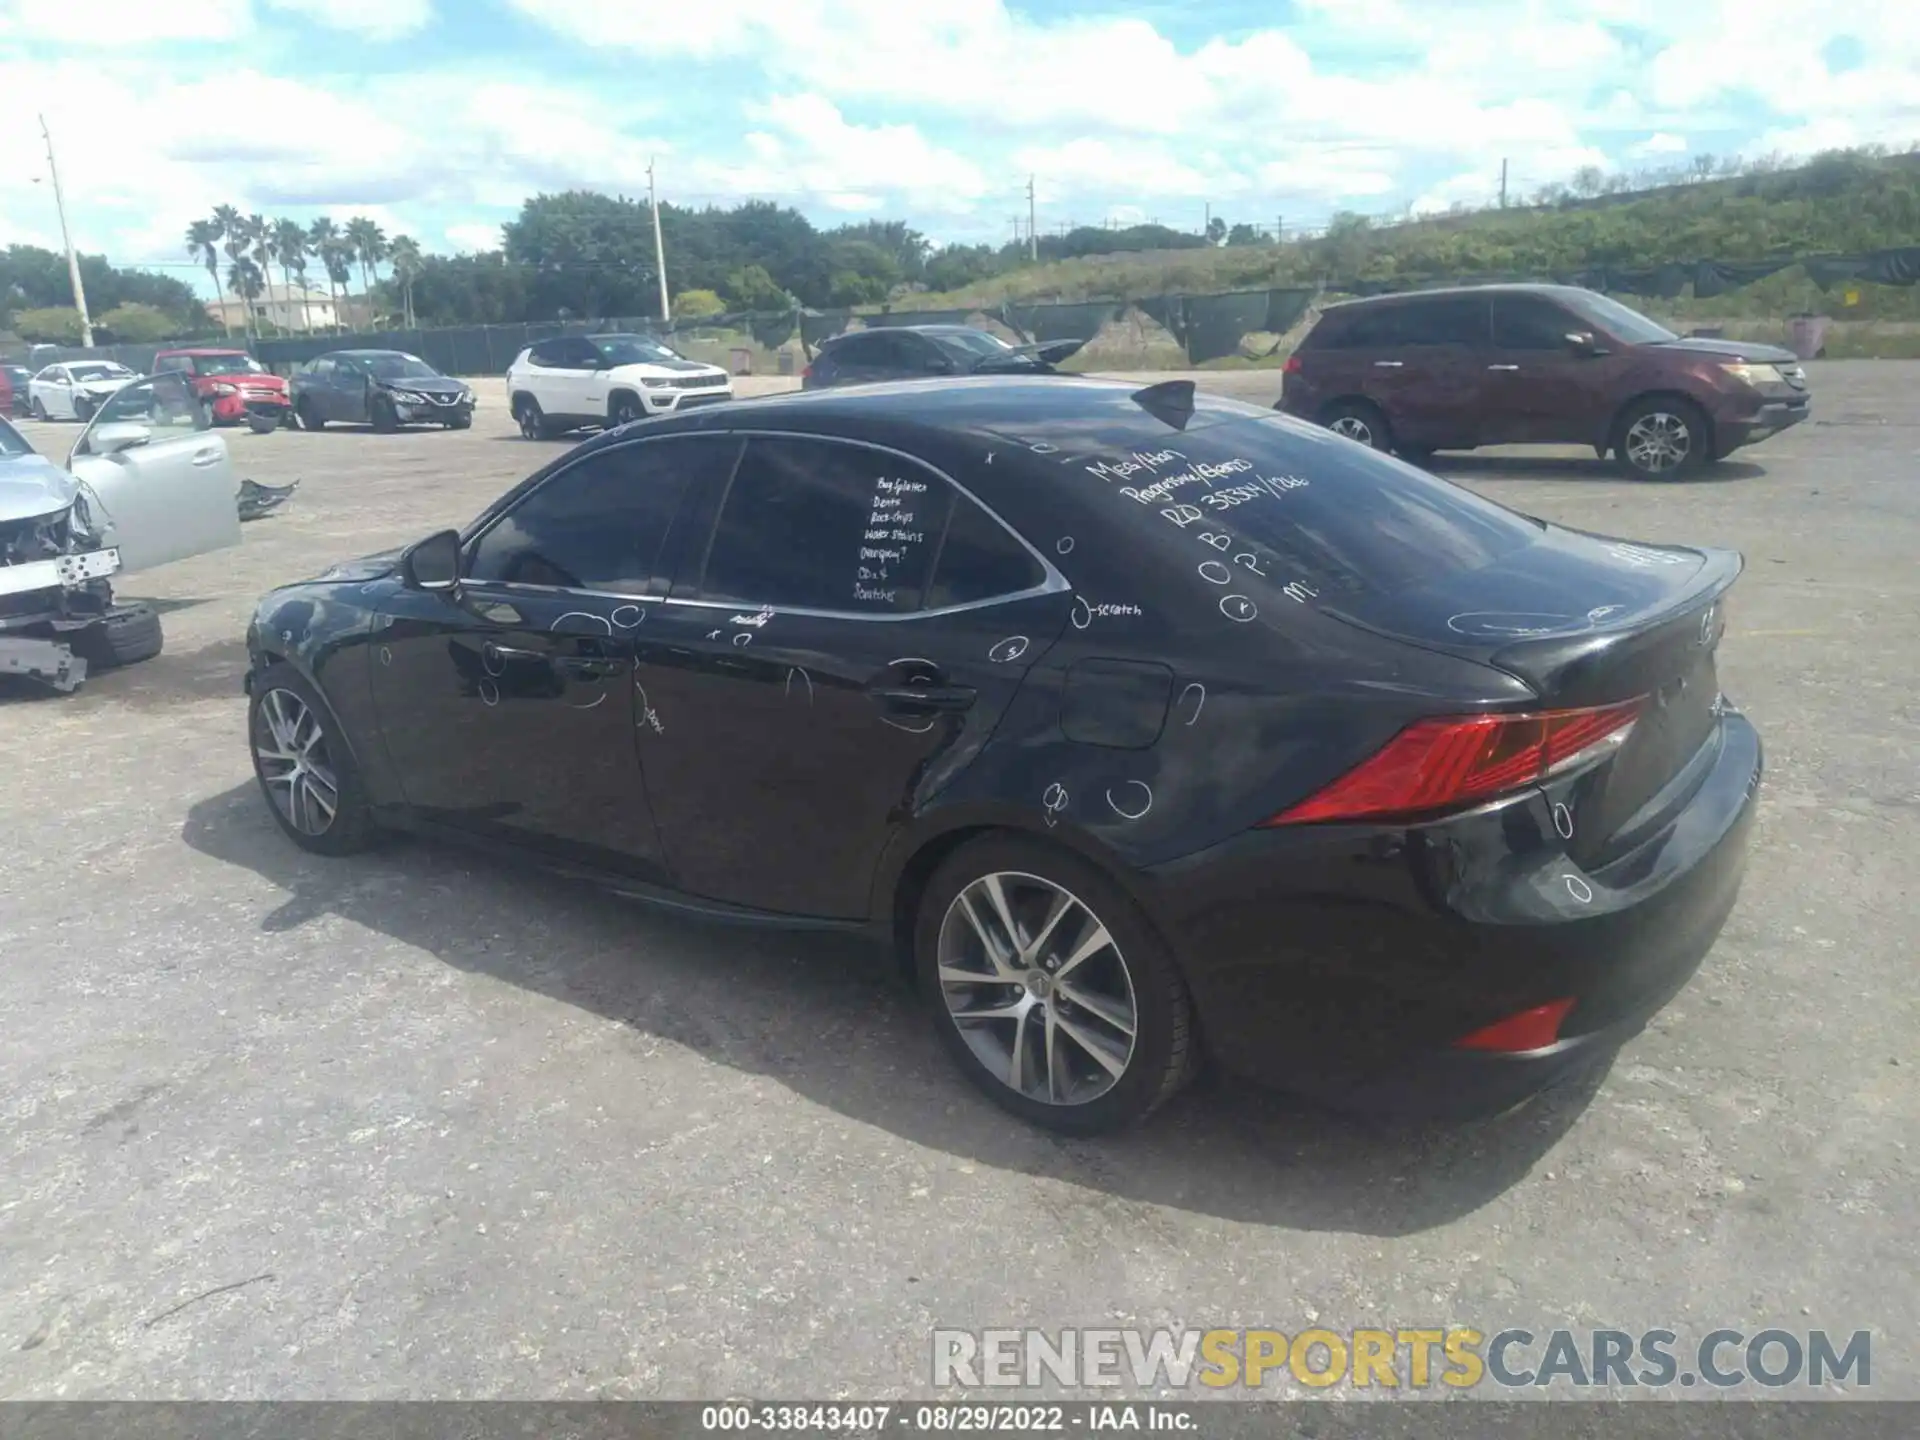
x,y
473,239
374,19
124,23
1662,142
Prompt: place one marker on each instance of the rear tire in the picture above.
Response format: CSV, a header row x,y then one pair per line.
x,y
125,635
297,790
1130,979
1360,421
1662,438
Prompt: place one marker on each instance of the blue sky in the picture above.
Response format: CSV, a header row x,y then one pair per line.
x,y
437,117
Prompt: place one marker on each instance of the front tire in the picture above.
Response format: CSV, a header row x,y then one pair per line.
x,y
307,417
1078,1020
461,422
305,770
1662,438
82,409
37,409
385,418
1360,421
262,424
623,410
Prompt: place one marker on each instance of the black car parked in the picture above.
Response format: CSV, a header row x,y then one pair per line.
x,y
382,388
1143,724
916,352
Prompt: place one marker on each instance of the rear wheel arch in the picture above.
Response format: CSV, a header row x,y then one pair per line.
x,y
1378,423
628,394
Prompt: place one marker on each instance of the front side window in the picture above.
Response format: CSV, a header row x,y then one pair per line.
x,y
600,523
1523,322
821,525
164,403
1624,323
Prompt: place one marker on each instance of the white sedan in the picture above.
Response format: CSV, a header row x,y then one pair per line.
x,y
573,381
75,389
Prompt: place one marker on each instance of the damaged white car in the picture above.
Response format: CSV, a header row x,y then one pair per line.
x,y
145,485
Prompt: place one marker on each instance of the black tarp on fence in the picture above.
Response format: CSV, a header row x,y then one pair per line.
x,y
1206,327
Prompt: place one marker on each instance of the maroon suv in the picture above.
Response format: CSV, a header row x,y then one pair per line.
x,y
1537,364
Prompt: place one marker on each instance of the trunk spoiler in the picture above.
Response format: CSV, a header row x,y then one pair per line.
x,y
1045,352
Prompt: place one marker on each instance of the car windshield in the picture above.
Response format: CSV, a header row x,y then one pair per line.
x,y
12,444
976,342
1621,321
632,350
227,365
98,372
399,367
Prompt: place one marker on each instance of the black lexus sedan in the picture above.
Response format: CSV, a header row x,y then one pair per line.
x,y
382,388
1145,725
918,352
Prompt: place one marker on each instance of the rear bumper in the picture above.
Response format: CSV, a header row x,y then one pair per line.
x,y
1345,962
1769,419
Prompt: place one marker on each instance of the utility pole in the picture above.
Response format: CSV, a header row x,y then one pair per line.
x,y
1279,230
66,239
1206,227
659,250
1503,184
1033,234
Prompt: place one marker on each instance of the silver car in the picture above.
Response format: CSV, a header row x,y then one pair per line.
x,y
144,485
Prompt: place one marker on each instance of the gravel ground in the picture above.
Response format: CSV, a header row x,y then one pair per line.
x,y
417,1125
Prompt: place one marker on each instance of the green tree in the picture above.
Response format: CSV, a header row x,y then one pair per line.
x,y
1216,230
136,324
232,226
48,325
244,279
404,252
323,241
698,304
370,248
752,288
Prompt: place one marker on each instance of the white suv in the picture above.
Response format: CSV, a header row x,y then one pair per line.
x,y
577,380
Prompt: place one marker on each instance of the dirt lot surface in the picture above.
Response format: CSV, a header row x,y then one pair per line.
x,y
419,1125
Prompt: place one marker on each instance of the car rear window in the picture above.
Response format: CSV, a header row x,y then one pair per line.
x,y
1276,507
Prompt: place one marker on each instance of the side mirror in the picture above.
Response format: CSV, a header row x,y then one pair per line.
x,y
112,438
1581,342
432,563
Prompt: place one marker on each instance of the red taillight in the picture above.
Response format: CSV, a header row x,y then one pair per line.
x,y
1444,764
1533,1029
807,374
1292,367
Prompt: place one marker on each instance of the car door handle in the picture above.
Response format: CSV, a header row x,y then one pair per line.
x,y
1503,367
925,699
204,458
1388,364
501,654
591,667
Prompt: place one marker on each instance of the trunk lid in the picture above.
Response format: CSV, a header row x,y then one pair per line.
x,y
1590,620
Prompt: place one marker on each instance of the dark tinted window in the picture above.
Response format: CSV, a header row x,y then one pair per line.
x,y
544,353
1525,322
1626,324
979,560
599,524
1457,320
819,525
871,349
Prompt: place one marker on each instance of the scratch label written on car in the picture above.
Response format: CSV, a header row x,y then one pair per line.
x,y
1204,473
1053,802
1086,611
648,716
1134,800
756,620
1640,557
1199,694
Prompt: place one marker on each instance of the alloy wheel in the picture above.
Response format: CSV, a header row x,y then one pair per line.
x,y
1659,442
529,422
1038,989
1354,428
625,413
290,749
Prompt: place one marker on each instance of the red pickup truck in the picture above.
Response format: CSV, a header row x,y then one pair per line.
x,y
232,386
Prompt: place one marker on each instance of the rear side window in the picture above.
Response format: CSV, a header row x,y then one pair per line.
x,y
980,559
820,525
600,523
1456,320
1277,514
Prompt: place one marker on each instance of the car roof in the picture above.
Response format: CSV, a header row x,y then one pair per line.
x,y
1540,288
366,354
201,350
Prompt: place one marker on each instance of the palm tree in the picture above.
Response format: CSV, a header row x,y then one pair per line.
x,y
370,245
233,239
290,243
322,237
404,252
203,243
261,247
245,280
337,255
